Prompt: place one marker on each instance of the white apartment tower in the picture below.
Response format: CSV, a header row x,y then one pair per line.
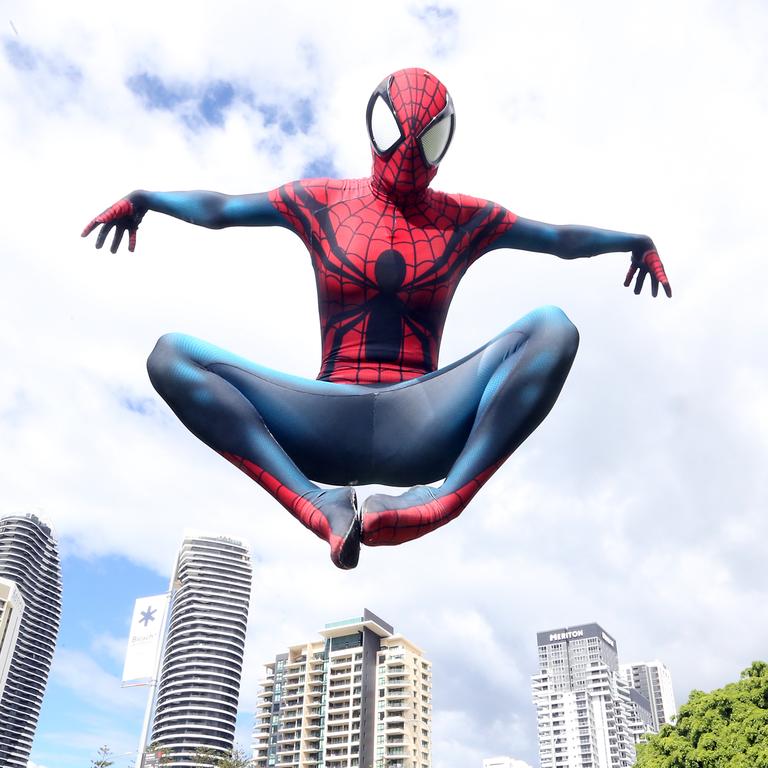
x,y
360,696
29,558
199,682
11,611
653,680
588,716
504,761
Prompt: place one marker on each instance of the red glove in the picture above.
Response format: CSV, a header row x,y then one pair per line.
x,y
649,262
123,215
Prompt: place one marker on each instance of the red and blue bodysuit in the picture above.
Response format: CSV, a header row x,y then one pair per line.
x,y
388,253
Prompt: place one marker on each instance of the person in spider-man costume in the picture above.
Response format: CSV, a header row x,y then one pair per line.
x,y
388,253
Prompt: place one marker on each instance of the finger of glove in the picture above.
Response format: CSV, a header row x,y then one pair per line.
x,y
630,275
121,208
119,231
661,276
640,280
90,226
658,273
657,269
132,239
654,286
653,262
105,230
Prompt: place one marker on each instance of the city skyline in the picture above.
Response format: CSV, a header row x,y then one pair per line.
x,y
638,501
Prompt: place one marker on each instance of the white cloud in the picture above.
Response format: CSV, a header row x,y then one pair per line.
x,y
87,680
113,647
638,503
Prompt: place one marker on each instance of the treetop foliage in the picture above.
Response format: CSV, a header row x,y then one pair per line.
x,y
726,728
103,760
233,758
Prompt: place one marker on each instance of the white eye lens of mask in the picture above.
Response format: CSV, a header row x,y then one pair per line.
x,y
435,140
385,132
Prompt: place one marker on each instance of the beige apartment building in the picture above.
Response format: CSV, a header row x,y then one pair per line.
x,y
360,697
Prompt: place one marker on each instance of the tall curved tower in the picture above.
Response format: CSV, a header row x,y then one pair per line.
x,y
29,557
199,680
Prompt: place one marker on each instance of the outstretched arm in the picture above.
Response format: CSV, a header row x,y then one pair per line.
x,y
575,242
206,209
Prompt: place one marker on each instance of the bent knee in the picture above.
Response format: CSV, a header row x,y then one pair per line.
x,y
556,330
165,359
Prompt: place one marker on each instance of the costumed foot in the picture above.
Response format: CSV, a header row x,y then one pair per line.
x,y
333,515
330,513
394,519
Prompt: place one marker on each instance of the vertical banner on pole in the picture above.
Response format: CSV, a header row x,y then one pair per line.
x,y
144,640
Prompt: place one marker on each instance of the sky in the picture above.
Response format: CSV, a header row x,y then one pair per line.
x,y
639,503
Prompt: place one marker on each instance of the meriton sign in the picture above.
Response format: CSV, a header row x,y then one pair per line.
x,y
566,635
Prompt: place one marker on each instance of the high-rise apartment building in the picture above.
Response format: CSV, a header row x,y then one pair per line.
x,y
359,696
11,611
199,682
29,558
504,761
588,715
654,682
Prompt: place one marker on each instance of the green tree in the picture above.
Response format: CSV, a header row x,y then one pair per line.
x,y
103,759
232,758
726,728
160,756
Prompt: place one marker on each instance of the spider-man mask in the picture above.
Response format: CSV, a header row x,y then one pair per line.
x,y
410,120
